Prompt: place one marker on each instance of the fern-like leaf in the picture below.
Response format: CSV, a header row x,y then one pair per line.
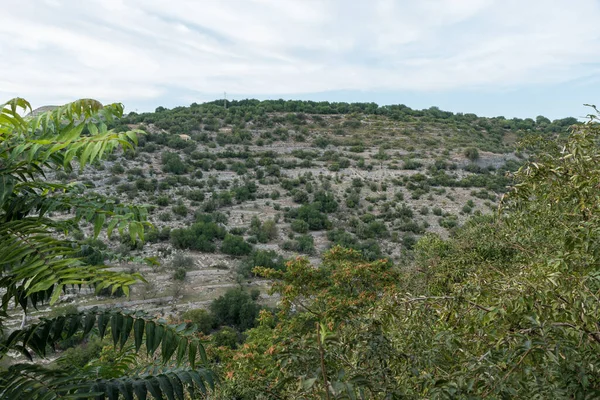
x,y
33,382
124,325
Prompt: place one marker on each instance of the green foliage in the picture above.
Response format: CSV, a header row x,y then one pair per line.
x,y
117,169
199,236
82,354
372,229
180,209
227,337
180,260
172,344
505,308
425,335
36,266
20,380
369,249
412,164
201,318
472,153
92,252
325,202
303,244
449,221
172,163
195,195
179,274
300,226
310,214
261,258
236,308
245,192
235,245
264,231
165,216
300,196
321,142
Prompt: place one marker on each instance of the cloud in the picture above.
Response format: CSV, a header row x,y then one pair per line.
x,y
138,50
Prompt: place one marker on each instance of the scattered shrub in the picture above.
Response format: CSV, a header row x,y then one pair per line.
x,y
472,153
261,258
236,308
235,245
202,318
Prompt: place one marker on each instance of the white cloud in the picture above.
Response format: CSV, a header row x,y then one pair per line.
x,y
129,50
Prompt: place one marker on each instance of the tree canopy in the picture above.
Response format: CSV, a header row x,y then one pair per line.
x,y
506,308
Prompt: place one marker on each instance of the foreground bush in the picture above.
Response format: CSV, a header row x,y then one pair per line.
x,y
507,308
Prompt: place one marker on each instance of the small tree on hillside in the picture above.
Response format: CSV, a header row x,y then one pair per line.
x,y
472,153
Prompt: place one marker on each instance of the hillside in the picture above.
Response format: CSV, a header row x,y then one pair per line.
x,y
282,179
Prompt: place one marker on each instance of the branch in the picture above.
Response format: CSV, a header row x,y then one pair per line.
x,y
593,335
485,395
36,382
322,359
172,340
427,298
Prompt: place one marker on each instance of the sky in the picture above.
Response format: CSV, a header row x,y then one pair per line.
x,y
515,58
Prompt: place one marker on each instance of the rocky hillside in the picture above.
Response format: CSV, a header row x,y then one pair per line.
x,y
257,183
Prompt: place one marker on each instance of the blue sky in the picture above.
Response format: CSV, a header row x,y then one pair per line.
x,y
504,57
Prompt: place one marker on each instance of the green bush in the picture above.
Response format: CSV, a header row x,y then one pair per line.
x,y
227,337
202,318
172,163
154,235
472,153
235,246
179,274
82,354
306,244
372,230
325,202
412,164
261,258
165,216
195,195
268,231
310,213
199,236
264,232
448,221
63,310
180,210
180,260
92,251
409,241
117,169
300,196
163,201
236,308
299,226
